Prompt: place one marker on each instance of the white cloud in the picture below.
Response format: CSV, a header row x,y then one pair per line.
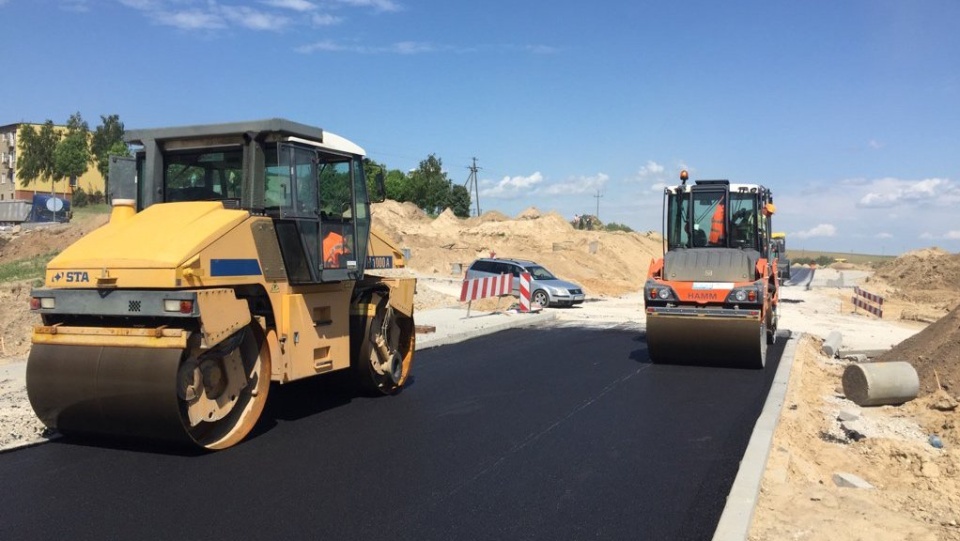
x,y
542,49
190,20
884,235
651,169
328,46
874,144
410,47
400,47
254,19
379,5
822,230
403,47
511,187
325,19
295,5
658,177
890,192
274,15
576,186
79,6
949,235
141,4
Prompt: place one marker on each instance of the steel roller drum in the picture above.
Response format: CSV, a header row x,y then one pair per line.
x,y
107,390
703,340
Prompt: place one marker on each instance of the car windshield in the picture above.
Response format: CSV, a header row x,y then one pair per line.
x,y
540,273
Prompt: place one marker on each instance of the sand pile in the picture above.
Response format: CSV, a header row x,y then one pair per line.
x,y
935,353
929,276
604,263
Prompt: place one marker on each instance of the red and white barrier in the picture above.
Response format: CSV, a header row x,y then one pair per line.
x,y
481,288
525,292
868,301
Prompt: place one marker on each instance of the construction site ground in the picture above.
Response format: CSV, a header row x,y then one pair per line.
x,y
915,492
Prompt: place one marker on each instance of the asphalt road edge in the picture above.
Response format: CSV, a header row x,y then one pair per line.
x,y
460,336
738,513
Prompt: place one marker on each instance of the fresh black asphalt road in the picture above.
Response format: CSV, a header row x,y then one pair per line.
x,y
556,433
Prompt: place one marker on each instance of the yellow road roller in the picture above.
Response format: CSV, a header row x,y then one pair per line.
x,y
713,298
236,254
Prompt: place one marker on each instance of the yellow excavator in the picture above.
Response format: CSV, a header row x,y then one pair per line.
x,y
236,254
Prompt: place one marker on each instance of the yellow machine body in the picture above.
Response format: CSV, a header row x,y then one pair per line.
x,y
170,322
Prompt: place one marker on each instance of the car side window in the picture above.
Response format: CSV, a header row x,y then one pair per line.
x,y
483,266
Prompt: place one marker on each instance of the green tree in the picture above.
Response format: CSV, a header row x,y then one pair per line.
x,y
614,226
429,185
35,162
71,157
398,185
459,201
370,170
76,124
108,141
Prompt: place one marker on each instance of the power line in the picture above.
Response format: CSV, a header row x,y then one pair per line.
x,y
473,185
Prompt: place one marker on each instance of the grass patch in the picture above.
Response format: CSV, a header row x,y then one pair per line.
x,y
32,268
797,256
90,210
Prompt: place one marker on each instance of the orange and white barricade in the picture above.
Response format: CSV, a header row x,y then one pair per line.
x,y
868,301
525,292
481,288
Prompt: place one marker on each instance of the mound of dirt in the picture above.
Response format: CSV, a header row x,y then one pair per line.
x,y
493,216
935,353
928,269
923,285
604,263
41,240
16,318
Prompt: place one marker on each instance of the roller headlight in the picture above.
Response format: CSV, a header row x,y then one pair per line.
x,y
745,294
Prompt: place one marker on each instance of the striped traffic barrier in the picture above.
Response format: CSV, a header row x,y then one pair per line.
x,y
870,302
481,288
525,291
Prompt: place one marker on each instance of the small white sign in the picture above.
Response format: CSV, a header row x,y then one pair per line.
x,y
712,285
54,204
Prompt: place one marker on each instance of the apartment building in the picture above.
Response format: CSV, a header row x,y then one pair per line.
x,y
11,187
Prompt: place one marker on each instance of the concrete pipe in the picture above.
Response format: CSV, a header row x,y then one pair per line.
x,y
831,346
878,384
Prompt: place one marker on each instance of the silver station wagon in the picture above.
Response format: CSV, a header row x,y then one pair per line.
x,y
546,289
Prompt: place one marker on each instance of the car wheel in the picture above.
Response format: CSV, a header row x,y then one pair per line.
x,y
540,297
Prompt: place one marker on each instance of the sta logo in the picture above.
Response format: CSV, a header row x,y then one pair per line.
x,y
72,277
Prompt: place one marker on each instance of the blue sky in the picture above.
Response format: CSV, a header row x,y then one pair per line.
x,y
848,110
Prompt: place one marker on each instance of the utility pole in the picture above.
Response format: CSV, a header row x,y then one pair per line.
x,y
472,184
597,197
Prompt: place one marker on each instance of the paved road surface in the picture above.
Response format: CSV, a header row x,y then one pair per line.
x,y
558,433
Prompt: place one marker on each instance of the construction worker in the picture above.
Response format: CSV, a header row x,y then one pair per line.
x,y
718,224
333,249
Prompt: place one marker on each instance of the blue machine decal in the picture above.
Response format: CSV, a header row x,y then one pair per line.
x,y
234,267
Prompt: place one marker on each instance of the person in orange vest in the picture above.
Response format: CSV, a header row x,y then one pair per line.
x,y
333,249
717,224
